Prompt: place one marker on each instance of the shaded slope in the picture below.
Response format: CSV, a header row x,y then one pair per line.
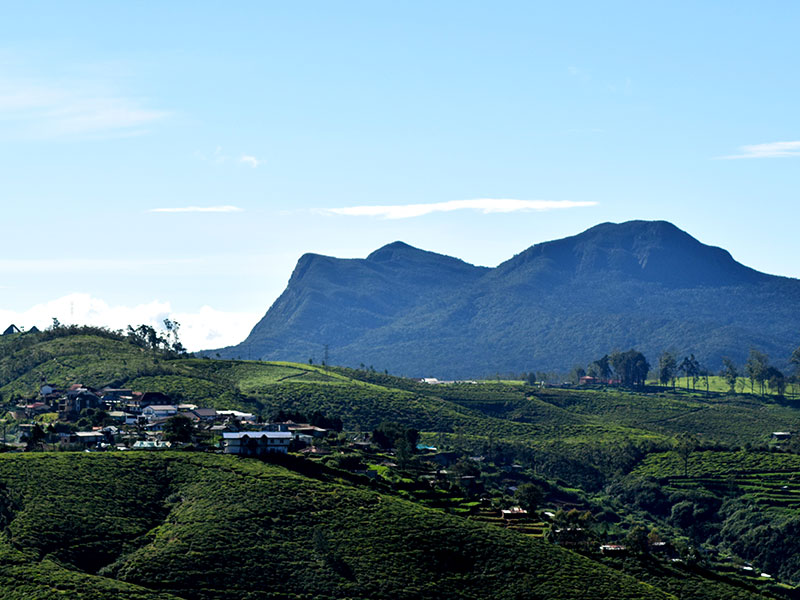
x,y
242,529
614,286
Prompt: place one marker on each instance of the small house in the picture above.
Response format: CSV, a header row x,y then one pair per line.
x,y
87,439
515,512
159,411
256,443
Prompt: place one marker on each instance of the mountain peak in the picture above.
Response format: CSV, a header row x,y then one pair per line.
x,y
394,250
655,251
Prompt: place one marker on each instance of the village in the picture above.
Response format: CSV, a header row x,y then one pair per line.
x,y
106,419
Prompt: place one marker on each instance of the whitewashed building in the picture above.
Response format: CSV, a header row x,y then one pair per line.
x,y
255,443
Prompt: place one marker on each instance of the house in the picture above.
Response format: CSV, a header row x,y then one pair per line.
x,y
781,435
156,424
298,429
613,549
123,417
36,408
48,389
76,400
235,414
588,380
115,395
204,414
256,443
515,512
150,398
11,330
151,445
87,438
159,411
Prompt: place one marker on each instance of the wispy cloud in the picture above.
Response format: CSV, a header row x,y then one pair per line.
x,y
201,329
251,160
34,109
218,157
769,150
483,205
197,209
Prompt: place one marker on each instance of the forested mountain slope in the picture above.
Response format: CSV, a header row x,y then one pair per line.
x,y
614,286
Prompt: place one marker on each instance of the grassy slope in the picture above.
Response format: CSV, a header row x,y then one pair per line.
x,y
230,528
268,387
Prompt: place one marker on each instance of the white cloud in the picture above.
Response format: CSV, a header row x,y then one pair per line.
x,y
769,150
251,160
200,330
197,209
77,109
483,205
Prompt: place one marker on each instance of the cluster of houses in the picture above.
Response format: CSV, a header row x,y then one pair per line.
x,y
139,420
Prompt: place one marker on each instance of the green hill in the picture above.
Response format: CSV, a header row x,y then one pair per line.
x,y
218,527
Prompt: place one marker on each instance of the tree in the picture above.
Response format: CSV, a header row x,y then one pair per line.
x,y
576,374
172,328
775,380
601,368
684,446
756,367
690,367
529,496
730,374
667,367
36,438
637,540
178,429
795,360
630,367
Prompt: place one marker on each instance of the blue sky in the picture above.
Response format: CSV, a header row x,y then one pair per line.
x,y
271,126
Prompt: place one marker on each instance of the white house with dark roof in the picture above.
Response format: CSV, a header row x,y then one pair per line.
x,y
159,411
255,443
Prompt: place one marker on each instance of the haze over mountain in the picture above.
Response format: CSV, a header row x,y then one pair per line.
x,y
643,284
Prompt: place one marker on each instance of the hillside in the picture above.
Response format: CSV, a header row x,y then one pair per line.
x,y
166,526
560,303
592,449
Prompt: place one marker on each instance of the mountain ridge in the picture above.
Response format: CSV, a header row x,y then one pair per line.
x,y
557,303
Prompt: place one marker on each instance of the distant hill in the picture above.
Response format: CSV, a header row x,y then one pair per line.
x,y
643,284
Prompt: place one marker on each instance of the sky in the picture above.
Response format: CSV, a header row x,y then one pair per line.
x,y
176,159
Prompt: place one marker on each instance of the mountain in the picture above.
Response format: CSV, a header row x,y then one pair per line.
x,y
643,284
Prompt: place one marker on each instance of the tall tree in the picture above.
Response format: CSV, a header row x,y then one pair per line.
x,y
775,380
667,367
601,368
756,367
690,367
730,374
684,446
178,429
630,367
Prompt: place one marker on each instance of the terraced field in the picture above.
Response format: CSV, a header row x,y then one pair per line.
x,y
766,478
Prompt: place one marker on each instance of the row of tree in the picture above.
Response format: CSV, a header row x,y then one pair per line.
x,y
629,368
